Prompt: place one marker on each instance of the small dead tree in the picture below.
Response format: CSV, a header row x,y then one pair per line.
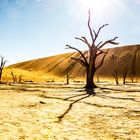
x,y
116,77
69,70
125,67
14,77
115,73
20,78
2,64
68,78
124,74
94,51
133,66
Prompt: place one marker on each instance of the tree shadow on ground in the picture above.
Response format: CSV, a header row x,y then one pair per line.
x,y
109,90
122,90
88,93
120,98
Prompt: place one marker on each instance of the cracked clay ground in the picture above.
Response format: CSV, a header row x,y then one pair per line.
x,y
68,112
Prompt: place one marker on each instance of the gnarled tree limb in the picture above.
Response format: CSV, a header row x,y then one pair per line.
x,y
70,47
90,30
83,39
97,34
102,60
99,53
111,41
98,44
80,61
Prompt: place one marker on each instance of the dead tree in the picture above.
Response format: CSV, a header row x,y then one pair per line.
x,y
69,71
115,73
20,78
2,64
94,51
68,78
124,74
14,77
116,77
133,66
125,66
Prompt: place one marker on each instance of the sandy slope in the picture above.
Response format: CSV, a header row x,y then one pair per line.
x,y
31,111
60,65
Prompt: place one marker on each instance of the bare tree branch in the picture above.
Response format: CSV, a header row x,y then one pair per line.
x,y
2,64
83,39
100,28
102,59
90,30
98,44
94,32
70,47
111,41
80,61
100,52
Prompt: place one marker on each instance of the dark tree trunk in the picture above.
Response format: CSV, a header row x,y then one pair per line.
x,y
89,79
125,75
124,81
67,81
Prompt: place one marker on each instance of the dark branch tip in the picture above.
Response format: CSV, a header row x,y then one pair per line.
x,y
115,37
106,24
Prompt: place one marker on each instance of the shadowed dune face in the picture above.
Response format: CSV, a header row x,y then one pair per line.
x,y
61,65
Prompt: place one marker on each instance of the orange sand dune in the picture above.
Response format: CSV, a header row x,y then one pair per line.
x,y
51,68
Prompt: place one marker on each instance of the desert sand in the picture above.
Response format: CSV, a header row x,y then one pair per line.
x,y
44,69
31,111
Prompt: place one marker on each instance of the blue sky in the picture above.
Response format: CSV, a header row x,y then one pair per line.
x,y
32,29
